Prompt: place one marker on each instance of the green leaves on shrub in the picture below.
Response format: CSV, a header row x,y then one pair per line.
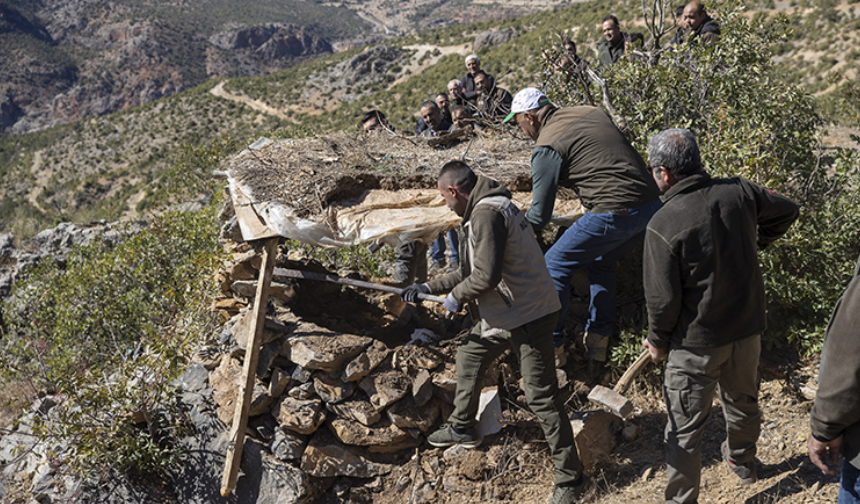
x,y
752,124
108,334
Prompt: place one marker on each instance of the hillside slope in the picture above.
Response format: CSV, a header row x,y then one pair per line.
x,y
108,166
66,60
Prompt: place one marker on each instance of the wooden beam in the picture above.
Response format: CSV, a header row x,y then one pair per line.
x,y
249,371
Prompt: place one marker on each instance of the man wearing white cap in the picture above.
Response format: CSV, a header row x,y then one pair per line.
x,y
583,147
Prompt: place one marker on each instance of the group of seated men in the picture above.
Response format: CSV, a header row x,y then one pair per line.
x,y
471,99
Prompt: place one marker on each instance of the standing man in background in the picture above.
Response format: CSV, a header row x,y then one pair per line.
x,y
610,49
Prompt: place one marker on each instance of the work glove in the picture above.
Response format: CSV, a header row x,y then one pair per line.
x,y
452,305
410,293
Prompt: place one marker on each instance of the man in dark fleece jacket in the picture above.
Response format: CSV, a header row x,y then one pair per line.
x,y
697,24
835,418
503,279
706,304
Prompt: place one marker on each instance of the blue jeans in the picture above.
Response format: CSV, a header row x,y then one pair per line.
x,y
595,242
437,249
849,484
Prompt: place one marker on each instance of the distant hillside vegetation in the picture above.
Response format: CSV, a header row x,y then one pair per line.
x,y
112,165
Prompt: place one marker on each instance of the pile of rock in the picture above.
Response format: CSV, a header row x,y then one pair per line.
x,y
332,403
327,399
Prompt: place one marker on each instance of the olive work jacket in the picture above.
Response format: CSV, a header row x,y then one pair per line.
x,y
502,272
837,403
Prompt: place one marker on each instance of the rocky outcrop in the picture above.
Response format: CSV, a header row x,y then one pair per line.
x,y
78,59
271,41
491,38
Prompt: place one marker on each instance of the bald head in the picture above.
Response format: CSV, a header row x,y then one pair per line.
x,y
694,15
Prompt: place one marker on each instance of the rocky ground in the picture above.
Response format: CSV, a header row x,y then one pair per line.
x,y
326,342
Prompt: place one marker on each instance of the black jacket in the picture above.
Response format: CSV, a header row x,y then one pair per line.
x,y
703,285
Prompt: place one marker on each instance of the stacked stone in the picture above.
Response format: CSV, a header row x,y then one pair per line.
x,y
330,402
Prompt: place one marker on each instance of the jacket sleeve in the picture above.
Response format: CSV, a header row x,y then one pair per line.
x,y
546,169
468,84
489,235
663,291
776,213
837,402
445,282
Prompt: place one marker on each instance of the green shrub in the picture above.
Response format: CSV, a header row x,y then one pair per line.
x,y
750,123
108,334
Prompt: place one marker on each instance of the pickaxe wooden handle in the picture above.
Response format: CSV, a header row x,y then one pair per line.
x,y
308,275
614,398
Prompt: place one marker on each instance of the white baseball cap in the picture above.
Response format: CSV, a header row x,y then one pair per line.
x,y
527,99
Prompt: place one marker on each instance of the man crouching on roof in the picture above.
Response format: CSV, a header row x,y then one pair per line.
x,y
505,283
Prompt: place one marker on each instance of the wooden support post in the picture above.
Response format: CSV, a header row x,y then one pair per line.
x,y
249,371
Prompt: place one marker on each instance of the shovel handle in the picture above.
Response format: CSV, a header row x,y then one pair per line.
x,y
633,371
309,275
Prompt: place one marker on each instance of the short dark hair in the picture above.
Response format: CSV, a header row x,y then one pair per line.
x,y
428,103
613,18
634,37
370,115
569,42
679,10
458,174
460,107
441,94
675,150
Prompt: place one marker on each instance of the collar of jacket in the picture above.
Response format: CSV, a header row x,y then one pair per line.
x,y
485,187
708,25
687,184
548,114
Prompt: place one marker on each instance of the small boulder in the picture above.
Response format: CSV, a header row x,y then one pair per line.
x,y
355,433
385,387
356,408
594,435
408,415
288,445
298,415
422,388
332,390
323,349
326,457
366,362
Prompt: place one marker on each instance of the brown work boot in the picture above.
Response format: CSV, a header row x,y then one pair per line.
x,y
596,346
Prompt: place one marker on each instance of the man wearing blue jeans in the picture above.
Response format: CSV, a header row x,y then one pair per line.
x,y
582,146
835,419
437,251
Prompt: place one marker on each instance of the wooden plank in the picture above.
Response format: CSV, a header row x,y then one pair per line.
x,y
236,440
